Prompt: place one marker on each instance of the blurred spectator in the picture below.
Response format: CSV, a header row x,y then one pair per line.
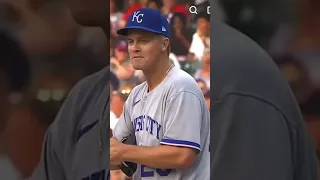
x,y
296,75
120,63
115,17
112,45
207,98
14,73
125,90
301,36
116,104
181,36
204,72
29,121
14,76
114,86
138,4
172,6
154,4
205,90
24,136
201,39
203,86
118,98
41,26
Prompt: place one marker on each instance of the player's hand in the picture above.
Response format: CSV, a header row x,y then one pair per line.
x,y
116,151
114,62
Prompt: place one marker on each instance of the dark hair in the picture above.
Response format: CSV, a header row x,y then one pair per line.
x,y
158,3
203,15
181,16
13,62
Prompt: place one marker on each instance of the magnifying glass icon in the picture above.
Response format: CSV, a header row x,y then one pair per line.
x,y
193,10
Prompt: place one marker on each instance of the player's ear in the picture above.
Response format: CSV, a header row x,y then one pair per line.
x,y
165,44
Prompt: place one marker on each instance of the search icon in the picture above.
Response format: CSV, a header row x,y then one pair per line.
x,y
193,10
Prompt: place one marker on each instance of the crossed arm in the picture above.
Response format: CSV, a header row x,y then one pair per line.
x,y
162,156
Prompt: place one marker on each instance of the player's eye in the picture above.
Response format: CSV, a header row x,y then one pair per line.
x,y
130,42
144,41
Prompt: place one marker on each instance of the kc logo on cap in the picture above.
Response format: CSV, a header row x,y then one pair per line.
x,y
137,17
147,19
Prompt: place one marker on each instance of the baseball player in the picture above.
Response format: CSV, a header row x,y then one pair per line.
x,y
257,129
76,145
167,113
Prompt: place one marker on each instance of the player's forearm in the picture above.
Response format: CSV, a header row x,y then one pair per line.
x,y
162,157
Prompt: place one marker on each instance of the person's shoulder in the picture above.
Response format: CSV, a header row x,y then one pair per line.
x,y
92,80
242,65
229,40
194,35
83,94
138,88
136,92
180,81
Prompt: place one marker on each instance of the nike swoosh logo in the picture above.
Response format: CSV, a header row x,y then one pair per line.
x,y
86,129
136,102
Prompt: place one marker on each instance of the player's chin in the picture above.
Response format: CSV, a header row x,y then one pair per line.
x,y
137,66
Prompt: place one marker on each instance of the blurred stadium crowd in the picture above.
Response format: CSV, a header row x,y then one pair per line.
x,y
59,53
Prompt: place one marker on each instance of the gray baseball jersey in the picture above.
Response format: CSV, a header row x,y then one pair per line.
x,y
77,146
174,113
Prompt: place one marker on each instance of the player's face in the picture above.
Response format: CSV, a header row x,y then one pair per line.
x,y
90,13
144,49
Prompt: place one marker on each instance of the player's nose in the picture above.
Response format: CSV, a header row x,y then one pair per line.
x,y
135,48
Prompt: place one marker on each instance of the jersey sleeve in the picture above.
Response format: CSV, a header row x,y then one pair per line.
x,y
183,117
124,125
250,140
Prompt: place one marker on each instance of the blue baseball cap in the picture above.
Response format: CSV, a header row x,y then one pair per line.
x,y
147,19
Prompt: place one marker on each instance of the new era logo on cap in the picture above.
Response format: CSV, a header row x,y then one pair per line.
x,y
147,19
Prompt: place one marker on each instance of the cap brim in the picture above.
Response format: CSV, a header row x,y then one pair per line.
x,y
124,31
